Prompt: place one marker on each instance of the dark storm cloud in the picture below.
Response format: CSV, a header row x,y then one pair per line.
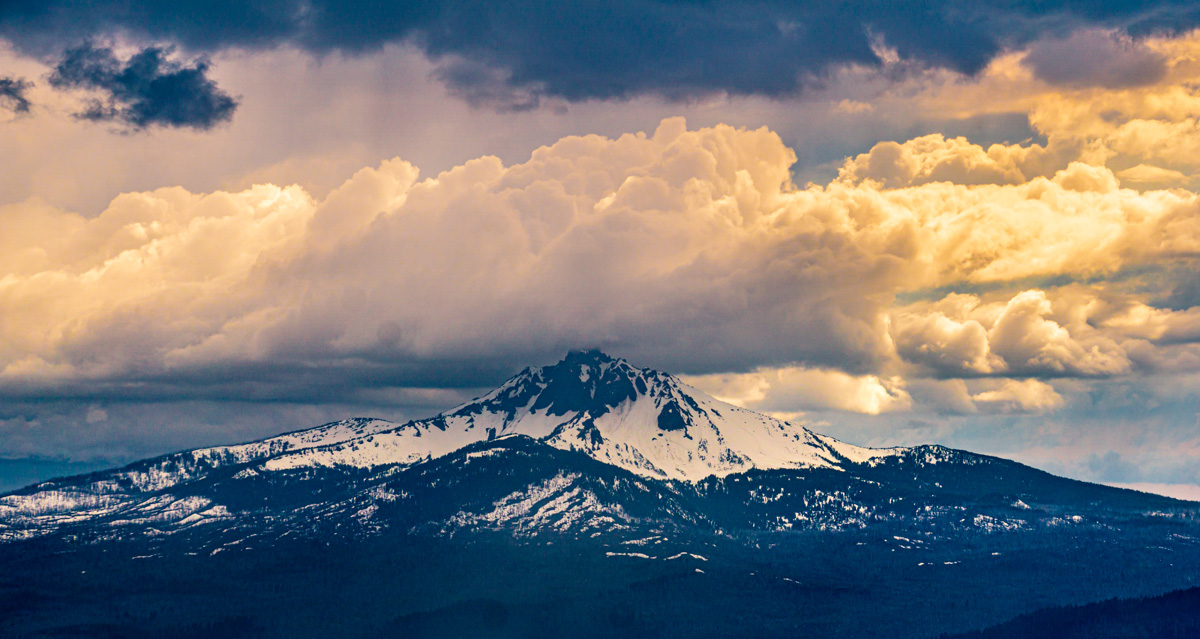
x,y
483,86
12,94
148,89
592,49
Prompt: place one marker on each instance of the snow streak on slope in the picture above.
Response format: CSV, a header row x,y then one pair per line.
x,y
134,487
647,422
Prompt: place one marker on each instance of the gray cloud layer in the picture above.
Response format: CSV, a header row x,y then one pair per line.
x,y
509,53
1096,58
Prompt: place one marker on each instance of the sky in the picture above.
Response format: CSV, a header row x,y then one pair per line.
x,y
975,224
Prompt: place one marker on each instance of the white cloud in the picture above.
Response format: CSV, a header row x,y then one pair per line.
x,y
1021,396
1031,342
789,391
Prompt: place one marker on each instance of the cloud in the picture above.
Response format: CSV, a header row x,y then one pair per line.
x,y
487,87
1185,289
12,94
1145,174
1024,396
1031,342
147,89
1148,120
959,337
786,391
936,158
1096,58
953,345
598,50
690,250
948,398
392,281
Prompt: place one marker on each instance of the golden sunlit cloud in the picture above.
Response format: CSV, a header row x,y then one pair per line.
x,y
683,239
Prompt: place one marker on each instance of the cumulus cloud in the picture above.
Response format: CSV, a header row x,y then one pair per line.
x,y
147,89
686,249
984,396
961,337
1029,341
1145,129
936,158
953,344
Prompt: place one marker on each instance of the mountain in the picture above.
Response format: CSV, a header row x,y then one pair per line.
x,y
692,451
638,502
643,421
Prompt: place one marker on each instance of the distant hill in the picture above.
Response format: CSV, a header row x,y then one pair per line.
x,y
1175,615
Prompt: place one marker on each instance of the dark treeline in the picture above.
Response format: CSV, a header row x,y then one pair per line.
x,y
847,585
1175,615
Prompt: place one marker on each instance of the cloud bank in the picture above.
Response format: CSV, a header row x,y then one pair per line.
x,y
691,250
519,50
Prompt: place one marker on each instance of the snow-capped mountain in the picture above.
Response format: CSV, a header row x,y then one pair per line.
x,y
579,491
586,446
644,421
587,490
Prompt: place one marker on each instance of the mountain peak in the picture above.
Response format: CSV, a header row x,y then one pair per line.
x,y
588,381
643,420
587,357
